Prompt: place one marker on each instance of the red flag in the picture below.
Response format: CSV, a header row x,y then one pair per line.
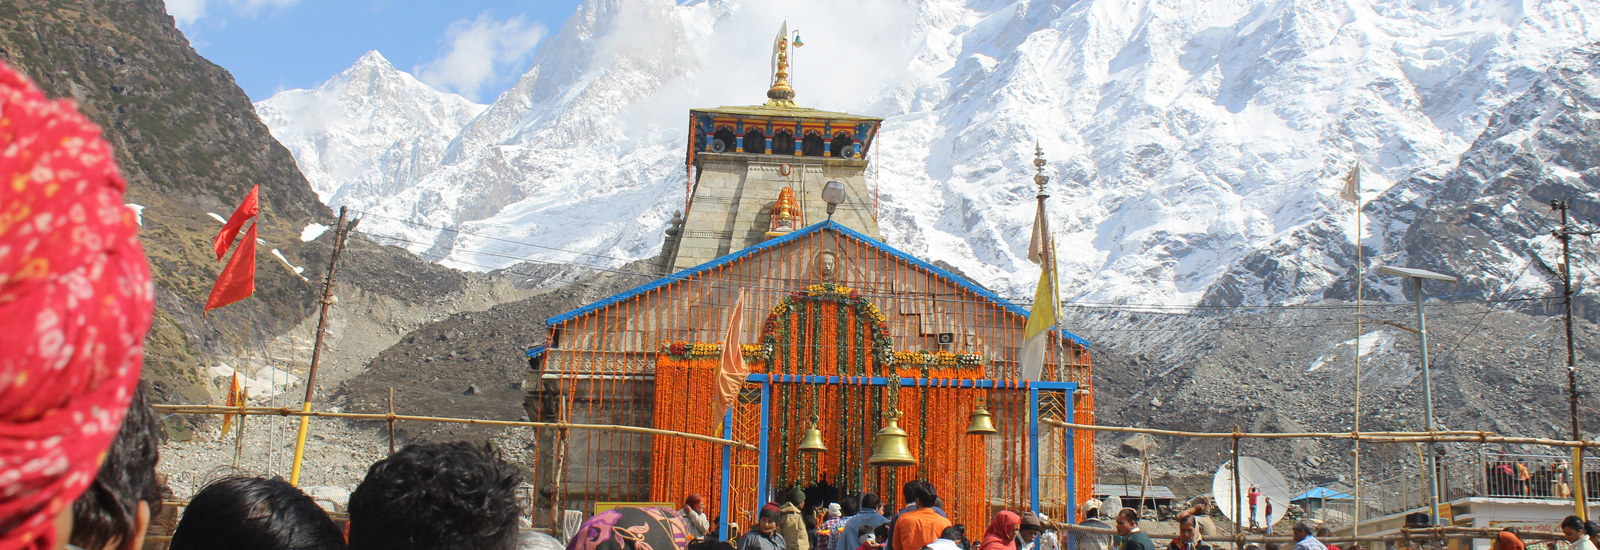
x,y
233,401
238,278
247,209
732,370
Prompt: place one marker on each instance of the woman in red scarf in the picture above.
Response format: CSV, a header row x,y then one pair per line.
x,y
1002,533
75,301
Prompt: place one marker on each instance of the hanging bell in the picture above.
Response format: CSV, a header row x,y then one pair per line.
x,y
812,442
981,422
889,446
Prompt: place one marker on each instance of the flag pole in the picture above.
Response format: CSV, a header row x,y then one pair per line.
x,y
1355,527
328,300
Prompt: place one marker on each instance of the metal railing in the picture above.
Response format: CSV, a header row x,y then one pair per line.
x,y
1524,476
1482,474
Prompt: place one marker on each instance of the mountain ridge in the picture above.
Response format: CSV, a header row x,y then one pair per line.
x,y
1182,136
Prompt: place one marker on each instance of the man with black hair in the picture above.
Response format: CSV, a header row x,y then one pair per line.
x,y
1133,538
916,528
1303,538
765,536
126,493
436,496
252,513
953,537
870,516
1575,532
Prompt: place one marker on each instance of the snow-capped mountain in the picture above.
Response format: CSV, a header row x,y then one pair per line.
x,y
368,132
1186,138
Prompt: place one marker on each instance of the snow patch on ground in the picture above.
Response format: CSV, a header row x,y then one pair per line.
x,y
217,217
311,232
1380,340
297,269
138,212
263,384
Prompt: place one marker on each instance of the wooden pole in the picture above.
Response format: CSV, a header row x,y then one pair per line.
x,y
1238,487
286,411
391,420
1446,532
1442,436
238,440
1144,481
328,300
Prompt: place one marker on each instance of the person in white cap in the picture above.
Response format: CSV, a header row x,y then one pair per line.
x,y
1047,539
832,525
1091,518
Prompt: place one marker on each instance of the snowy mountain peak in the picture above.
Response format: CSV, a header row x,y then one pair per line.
x,y
1186,135
374,59
368,132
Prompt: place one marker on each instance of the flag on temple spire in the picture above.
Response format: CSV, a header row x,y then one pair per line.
x,y
778,45
1042,318
731,370
1352,186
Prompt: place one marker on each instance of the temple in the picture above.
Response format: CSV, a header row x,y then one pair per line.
x,y
841,333
741,159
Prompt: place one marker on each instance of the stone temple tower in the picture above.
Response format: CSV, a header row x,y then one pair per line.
x,y
758,171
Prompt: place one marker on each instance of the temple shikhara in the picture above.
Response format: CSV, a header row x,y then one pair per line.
x,y
843,335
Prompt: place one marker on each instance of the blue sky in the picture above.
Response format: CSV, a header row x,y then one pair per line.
x,y
476,48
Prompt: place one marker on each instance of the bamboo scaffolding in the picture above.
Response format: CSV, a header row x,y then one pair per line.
x,y
1404,534
1442,436
285,411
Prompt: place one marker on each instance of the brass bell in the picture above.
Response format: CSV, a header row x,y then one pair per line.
x,y
889,446
981,422
812,442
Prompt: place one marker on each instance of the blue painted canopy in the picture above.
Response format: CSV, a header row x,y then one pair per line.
x,y
770,243
1321,493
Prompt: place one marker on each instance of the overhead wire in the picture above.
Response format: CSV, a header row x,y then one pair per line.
x,y
786,286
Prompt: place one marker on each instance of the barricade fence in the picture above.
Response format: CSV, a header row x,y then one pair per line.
x,y
1481,473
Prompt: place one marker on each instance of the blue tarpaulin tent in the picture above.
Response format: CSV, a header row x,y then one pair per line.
x,y
1320,494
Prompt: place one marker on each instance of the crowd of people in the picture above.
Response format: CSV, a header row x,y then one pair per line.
x,y
1507,476
444,496
858,523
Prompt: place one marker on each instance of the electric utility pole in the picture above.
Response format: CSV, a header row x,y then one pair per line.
x,y
1565,233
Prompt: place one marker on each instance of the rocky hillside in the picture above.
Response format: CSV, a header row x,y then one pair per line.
x,y
190,144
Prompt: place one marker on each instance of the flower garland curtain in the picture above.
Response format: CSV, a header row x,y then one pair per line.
x,y
685,384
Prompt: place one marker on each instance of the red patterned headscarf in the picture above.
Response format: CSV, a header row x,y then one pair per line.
x,y
75,301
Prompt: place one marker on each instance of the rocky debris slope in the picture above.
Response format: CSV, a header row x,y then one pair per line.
x,y
1292,370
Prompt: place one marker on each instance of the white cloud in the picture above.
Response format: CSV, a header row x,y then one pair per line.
x,y
186,11
255,7
189,11
479,51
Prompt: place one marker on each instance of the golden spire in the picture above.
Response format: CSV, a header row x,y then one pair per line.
x,y
780,94
1038,163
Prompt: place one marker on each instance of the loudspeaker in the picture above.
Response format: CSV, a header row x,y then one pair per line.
x,y
947,338
717,146
849,153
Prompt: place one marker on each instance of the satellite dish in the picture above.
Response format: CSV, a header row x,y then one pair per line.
x,y
1253,472
717,146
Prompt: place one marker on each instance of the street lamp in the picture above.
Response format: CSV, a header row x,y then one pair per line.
x,y
833,194
1416,276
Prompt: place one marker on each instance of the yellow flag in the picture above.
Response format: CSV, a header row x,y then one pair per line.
x,y
232,401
